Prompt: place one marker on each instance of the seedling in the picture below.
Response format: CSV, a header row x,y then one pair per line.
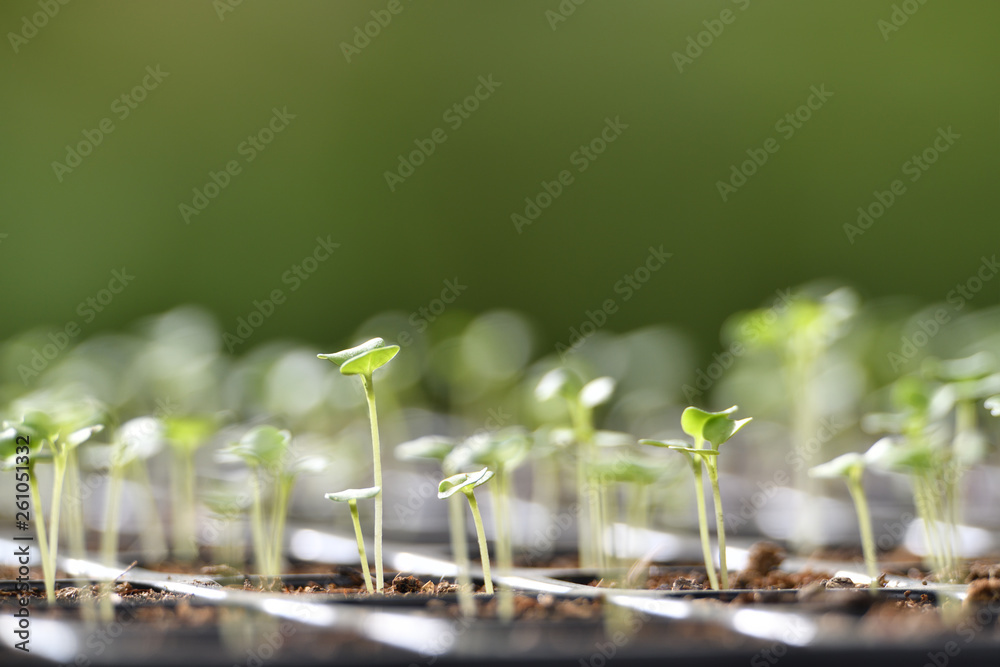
x,y
437,448
351,497
186,435
364,360
266,450
44,438
467,482
581,399
715,428
135,441
850,467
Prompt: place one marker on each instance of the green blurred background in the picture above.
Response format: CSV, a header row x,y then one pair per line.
x,y
324,174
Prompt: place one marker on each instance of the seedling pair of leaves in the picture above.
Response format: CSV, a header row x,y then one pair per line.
x,y
363,361
716,429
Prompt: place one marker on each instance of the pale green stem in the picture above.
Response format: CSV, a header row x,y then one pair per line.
x,y
706,546
153,533
505,556
109,540
73,518
48,574
59,465
720,517
257,525
460,549
184,519
865,525
377,464
484,552
929,519
638,502
609,514
278,521
361,544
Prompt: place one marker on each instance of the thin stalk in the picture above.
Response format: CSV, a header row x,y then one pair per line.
x,y
280,511
505,555
865,524
926,517
48,574
377,464
153,533
609,514
257,525
484,552
588,489
109,539
184,528
638,501
720,517
460,549
59,463
584,521
706,547
73,519
361,544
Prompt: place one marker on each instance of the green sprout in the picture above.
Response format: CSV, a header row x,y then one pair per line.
x,y
715,428
850,467
467,482
364,360
581,399
993,405
266,450
351,497
437,448
44,438
135,441
186,434
502,451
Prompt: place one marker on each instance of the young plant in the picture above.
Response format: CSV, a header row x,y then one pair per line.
x,y
363,361
266,450
850,467
185,435
135,441
581,399
467,482
716,429
437,448
37,438
351,497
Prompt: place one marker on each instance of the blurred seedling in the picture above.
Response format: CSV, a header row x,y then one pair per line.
x,y
266,451
351,497
45,437
363,361
581,399
716,429
467,483
437,448
851,467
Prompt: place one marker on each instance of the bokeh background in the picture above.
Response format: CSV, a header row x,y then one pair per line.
x,y
562,69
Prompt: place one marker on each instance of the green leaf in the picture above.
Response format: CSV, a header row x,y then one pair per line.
x,y
348,495
450,486
263,445
844,465
80,436
363,359
429,447
714,427
312,464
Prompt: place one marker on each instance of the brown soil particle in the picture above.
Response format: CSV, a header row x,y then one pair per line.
x,y
983,569
764,557
983,591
